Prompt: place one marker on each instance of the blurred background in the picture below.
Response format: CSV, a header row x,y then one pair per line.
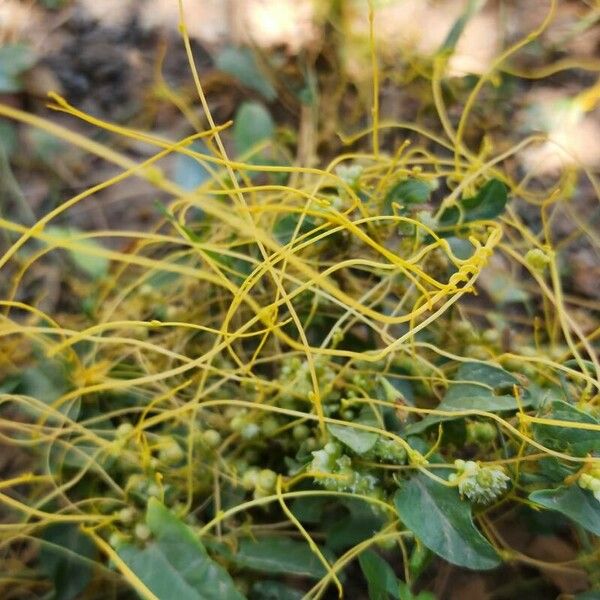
x,y
296,77
300,74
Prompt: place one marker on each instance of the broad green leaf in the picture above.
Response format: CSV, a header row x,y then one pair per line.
x,y
66,557
563,438
459,25
309,510
501,284
240,63
476,375
15,59
591,595
488,203
408,191
278,555
470,390
381,579
461,248
274,590
443,522
406,594
575,364
353,521
190,173
8,137
54,4
96,267
357,440
47,381
9,384
573,502
253,124
175,565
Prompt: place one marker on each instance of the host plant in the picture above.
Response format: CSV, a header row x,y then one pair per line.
x,y
287,374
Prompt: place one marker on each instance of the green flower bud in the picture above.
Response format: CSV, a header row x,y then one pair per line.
x,y
537,259
388,451
464,330
311,443
170,451
591,481
154,490
238,422
127,515
491,336
266,480
211,437
481,432
142,532
250,431
300,432
269,426
250,478
124,430
347,414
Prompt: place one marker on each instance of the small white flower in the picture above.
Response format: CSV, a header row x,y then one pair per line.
x,y
477,483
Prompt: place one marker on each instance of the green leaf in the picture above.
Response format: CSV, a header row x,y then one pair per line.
x,y
487,204
95,267
240,63
474,374
573,502
442,521
8,137
406,594
274,590
175,564
9,384
66,558
279,555
408,191
47,381
357,440
459,25
53,4
381,579
501,284
253,124
470,390
15,59
309,510
578,442
352,522
189,173
591,595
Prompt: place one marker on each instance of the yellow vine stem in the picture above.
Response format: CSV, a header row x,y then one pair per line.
x,y
311,543
136,583
375,69
483,79
239,196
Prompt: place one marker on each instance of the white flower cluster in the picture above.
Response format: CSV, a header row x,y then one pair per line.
x,y
477,483
591,481
344,478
